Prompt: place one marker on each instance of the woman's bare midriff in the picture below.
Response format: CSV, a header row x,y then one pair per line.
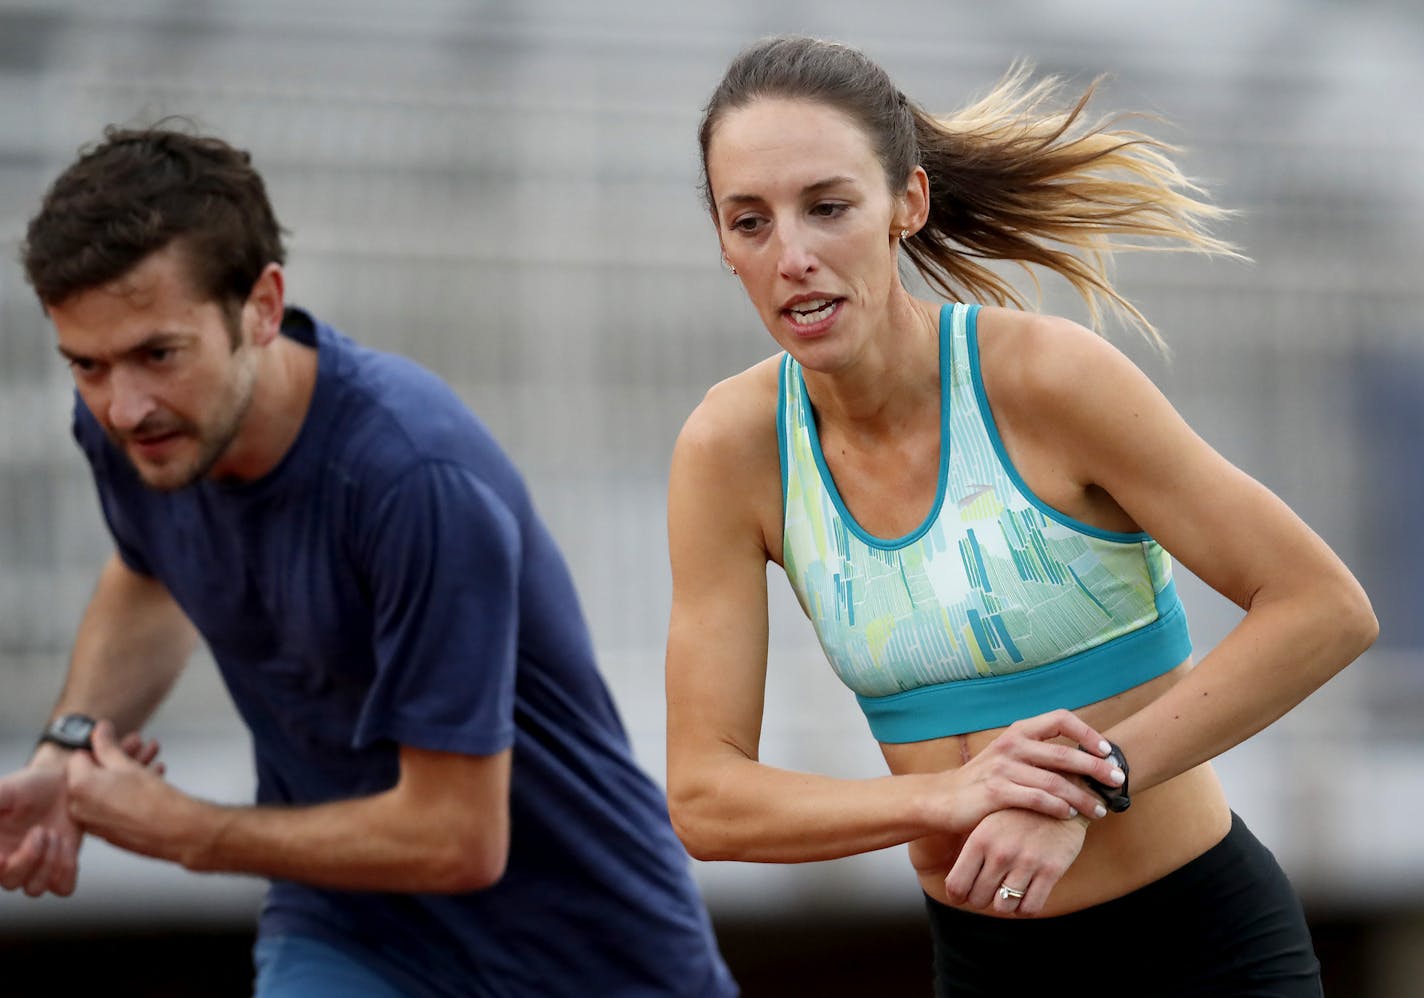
x,y
1167,826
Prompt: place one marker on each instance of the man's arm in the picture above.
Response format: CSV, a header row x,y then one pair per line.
x,y
443,827
132,643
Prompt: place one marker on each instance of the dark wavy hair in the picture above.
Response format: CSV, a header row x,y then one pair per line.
x,y
140,190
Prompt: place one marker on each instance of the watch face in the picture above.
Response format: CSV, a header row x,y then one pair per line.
x,y
72,730
74,727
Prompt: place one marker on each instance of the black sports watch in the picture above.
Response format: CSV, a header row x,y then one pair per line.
x,y
1116,798
72,731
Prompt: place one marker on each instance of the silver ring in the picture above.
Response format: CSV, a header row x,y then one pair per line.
x,y
1006,892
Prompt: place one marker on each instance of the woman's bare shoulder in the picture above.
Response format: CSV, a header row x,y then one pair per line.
x,y
1034,363
735,422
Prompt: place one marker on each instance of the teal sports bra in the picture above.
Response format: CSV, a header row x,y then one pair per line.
x,y
997,607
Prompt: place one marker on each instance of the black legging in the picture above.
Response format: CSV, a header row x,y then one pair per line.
x,y
1226,925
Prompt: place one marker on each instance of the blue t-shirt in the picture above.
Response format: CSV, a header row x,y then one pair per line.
x,y
389,584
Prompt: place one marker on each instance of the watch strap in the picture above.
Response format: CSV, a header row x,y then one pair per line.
x,y
1116,798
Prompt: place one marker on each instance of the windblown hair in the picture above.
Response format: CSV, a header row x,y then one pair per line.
x,y
139,190
1016,176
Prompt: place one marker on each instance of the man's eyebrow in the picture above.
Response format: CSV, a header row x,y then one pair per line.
x,y
157,340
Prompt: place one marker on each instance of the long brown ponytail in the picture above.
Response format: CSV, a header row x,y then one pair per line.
x,y
1015,176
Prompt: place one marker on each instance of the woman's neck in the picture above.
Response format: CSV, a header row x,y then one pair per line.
x,y
894,377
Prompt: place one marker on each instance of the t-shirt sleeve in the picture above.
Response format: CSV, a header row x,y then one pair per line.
x,y
441,553
111,477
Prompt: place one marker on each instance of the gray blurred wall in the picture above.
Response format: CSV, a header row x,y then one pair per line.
x,y
506,191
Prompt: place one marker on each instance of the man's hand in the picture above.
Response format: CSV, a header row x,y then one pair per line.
x,y
119,794
39,842
1022,850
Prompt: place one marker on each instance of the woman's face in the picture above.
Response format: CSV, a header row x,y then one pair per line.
x,y
806,217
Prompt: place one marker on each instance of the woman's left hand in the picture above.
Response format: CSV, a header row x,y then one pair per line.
x,y
1022,850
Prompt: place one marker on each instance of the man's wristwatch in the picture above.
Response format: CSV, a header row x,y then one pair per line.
x,y
72,731
1116,798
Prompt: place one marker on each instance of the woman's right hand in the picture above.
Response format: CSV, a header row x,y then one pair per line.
x,y
1025,768
1016,849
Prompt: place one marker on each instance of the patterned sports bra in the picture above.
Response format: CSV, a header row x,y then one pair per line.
x,y
997,607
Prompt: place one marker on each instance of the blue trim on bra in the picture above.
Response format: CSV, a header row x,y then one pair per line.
x,y
783,444
964,705
829,483
992,429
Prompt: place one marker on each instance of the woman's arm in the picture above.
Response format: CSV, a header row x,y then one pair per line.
x,y
1097,440
724,508
1306,616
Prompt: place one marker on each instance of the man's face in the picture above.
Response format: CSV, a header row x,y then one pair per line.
x,y
156,364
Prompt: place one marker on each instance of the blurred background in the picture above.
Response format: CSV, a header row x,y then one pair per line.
x,y
506,191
